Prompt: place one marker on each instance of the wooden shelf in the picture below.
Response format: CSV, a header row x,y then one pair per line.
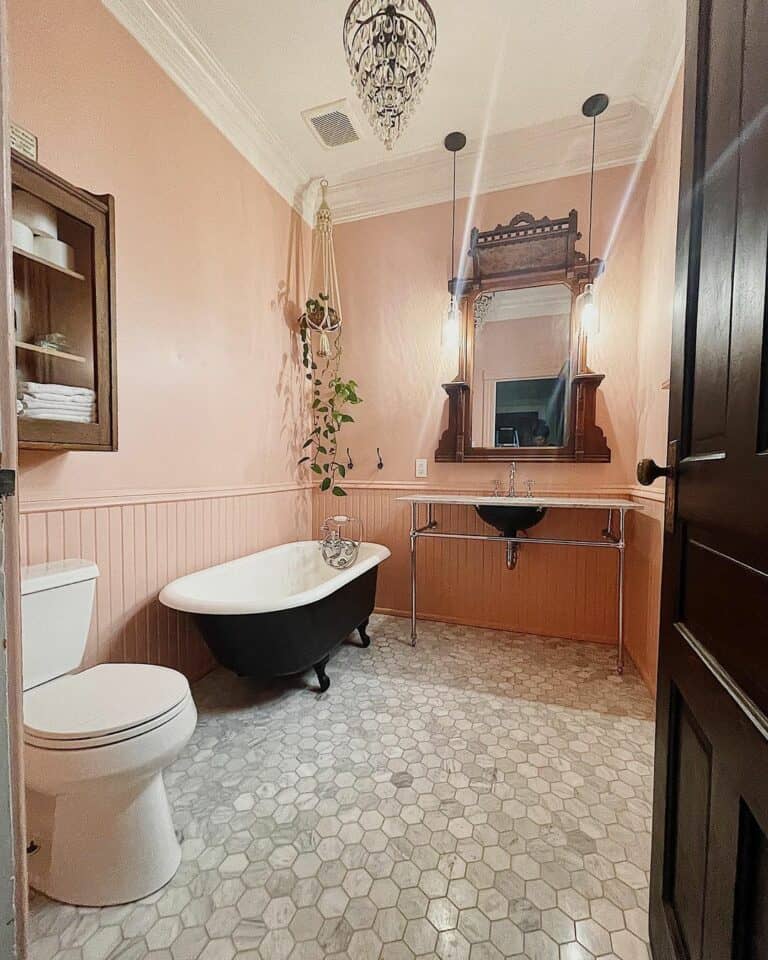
x,y
50,352
48,263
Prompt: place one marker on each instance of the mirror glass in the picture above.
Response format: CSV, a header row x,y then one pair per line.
x,y
521,367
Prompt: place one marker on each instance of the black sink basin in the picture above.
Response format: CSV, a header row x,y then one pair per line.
x,y
510,520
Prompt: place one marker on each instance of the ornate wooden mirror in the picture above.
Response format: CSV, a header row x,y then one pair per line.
x,y
523,390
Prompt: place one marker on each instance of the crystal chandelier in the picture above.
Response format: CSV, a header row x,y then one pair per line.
x,y
390,45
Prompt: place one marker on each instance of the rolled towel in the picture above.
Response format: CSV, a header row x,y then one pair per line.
x,y
35,389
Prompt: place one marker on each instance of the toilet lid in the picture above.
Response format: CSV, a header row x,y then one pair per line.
x,y
104,700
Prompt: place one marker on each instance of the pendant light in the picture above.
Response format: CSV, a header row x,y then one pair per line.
x,y
589,314
453,143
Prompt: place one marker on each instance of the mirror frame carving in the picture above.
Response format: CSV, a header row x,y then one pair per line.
x,y
523,253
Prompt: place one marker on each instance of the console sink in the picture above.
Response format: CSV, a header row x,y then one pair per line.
x,y
510,520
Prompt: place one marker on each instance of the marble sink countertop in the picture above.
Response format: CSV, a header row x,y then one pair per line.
x,y
580,503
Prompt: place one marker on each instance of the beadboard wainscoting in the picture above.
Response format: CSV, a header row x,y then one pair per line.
x,y
142,541
554,591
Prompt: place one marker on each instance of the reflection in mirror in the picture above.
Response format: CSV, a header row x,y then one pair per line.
x,y
521,367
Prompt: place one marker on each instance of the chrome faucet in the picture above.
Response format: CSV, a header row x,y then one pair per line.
x,y
511,489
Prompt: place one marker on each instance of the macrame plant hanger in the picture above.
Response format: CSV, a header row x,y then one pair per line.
x,y
323,314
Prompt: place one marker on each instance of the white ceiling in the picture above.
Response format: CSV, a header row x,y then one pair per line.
x,y
513,72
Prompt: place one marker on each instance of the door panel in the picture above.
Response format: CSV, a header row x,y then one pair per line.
x,y
690,776
709,882
751,890
718,216
722,616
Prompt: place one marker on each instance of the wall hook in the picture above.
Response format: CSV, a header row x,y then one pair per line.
x,y
380,464
350,465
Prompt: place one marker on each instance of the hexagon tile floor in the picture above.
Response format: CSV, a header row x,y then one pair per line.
x,y
485,795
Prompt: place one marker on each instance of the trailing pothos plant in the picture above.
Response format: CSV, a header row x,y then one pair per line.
x,y
331,395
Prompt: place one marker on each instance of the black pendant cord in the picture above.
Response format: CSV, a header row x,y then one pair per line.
x,y
591,190
453,223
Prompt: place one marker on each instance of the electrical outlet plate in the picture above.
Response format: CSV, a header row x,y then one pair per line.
x,y
421,468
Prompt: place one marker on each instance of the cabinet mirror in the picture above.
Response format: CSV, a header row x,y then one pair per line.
x,y
521,366
523,389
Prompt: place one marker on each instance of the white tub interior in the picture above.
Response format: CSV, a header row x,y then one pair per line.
x,y
281,578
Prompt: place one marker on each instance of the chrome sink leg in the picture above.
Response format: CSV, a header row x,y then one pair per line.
x,y
414,524
620,631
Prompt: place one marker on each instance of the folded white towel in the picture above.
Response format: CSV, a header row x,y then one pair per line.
x,y
35,389
53,400
53,412
57,415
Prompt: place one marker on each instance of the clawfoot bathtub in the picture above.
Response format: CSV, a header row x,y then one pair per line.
x,y
279,612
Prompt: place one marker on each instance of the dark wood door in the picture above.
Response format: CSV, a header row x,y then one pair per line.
x,y
709,882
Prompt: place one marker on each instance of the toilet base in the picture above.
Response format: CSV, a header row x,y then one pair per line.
x,y
109,846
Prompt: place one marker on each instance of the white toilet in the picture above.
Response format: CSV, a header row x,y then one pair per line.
x,y
98,821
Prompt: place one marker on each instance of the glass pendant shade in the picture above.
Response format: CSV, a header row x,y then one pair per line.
x,y
588,312
451,324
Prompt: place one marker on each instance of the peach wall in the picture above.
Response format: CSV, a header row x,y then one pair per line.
x,y
209,274
393,276
393,273
209,261
655,219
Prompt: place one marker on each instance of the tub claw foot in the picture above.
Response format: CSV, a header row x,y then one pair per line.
x,y
322,677
365,640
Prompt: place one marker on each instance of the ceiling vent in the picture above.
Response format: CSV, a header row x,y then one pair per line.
x,y
332,124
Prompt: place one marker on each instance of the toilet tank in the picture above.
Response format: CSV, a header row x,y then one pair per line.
x,y
56,607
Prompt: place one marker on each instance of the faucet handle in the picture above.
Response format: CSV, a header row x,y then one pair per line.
x,y
529,488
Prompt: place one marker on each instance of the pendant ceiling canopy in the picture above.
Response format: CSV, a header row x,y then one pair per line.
x,y
390,45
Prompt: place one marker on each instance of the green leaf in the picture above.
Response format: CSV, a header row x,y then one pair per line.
x,y
345,418
325,484
342,469
339,492
303,460
308,443
316,468
322,450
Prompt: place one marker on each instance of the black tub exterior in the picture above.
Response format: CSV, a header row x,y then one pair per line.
x,y
287,642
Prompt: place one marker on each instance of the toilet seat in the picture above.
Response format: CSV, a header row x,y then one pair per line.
x,y
103,705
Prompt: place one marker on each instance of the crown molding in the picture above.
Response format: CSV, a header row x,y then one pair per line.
x,y
549,151
166,36
536,154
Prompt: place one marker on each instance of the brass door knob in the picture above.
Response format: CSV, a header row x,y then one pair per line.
x,y
649,470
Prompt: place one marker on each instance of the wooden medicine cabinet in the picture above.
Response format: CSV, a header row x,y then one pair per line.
x,y
64,312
